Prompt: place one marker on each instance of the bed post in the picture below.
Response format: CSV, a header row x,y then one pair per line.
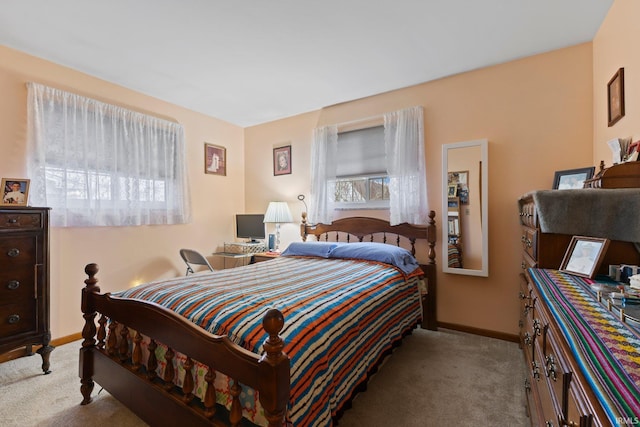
x,y
431,237
429,300
303,227
274,365
88,333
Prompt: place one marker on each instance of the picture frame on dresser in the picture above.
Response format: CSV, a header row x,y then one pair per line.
x,y
15,192
572,179
584,255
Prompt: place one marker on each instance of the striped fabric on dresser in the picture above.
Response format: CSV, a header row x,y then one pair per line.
x,y
340,317
607,349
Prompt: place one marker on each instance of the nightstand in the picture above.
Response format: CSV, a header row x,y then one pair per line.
x,y
265,256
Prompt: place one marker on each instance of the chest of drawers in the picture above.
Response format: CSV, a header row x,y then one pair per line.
x,y
558,394
24,281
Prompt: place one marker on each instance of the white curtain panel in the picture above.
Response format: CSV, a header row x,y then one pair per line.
x,y
404,145
97,164
324,153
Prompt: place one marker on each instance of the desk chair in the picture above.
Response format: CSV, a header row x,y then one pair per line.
x,y
192,257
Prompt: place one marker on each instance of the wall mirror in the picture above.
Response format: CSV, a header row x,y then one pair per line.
x,y
465,248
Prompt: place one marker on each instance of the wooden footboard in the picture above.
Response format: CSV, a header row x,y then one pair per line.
x,y
114,360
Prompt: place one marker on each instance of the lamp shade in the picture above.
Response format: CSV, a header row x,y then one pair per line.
x,y
278,212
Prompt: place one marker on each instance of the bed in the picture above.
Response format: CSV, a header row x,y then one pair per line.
x,y
293,351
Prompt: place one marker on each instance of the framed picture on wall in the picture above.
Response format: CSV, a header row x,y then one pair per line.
x,y
215,159
615,97
282,160
15,191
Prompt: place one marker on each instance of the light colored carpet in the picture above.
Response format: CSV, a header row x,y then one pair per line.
x,y
442,378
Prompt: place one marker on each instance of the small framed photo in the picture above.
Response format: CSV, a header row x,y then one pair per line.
x,y
461,180
282,160
615,97
452,190
15,191
572,178
584,255
215,159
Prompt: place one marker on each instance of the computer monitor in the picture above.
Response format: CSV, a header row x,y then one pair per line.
x,y
250,226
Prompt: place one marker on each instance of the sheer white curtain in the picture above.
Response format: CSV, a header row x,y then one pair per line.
x,y
324,149
404,145
97,164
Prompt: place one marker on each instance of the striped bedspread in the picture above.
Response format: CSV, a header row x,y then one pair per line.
x,y
340,318
607,349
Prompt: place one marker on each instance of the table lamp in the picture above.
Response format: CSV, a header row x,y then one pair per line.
x,y
277,213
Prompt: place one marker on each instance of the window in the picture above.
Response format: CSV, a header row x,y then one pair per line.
x,y
97,164
361,176
403,176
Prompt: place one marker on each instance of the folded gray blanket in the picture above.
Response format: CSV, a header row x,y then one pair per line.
x,y
608,213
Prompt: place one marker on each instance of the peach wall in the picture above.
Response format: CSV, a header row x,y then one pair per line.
x,y
537,115
125,254
616,46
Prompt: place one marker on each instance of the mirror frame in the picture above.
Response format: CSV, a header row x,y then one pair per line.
x,y
484,210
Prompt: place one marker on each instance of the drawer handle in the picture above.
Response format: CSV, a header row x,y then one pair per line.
x,y
551,367
13,285
14,252
536,327
535,370
13,319
527,338
12,221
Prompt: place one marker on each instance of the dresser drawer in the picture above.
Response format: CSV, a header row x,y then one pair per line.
x,y
529,241
16,318
20,220
18,252
557,372
528,262
528,215
547,410
17,284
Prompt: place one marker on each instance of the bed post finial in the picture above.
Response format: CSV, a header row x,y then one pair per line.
x,y
91,270
273,322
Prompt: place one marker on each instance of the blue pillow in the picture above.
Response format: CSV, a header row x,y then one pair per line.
x,y
318,249
381,252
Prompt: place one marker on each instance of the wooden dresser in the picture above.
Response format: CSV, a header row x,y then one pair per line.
x,y
24,281
558,394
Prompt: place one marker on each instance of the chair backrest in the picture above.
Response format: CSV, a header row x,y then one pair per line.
x,y
192,257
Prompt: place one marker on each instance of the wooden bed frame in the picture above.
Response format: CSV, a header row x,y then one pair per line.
x,y
113,359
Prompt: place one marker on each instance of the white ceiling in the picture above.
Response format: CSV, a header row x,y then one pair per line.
x,y
253,61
